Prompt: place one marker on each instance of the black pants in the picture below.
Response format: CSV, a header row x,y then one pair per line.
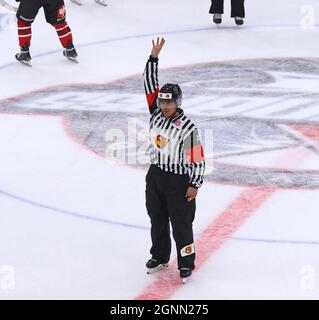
x,y
165,201
237,8
53,10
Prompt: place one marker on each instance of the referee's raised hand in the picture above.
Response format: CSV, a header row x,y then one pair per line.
x,y
157,47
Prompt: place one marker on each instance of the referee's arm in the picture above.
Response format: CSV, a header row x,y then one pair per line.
x,y
151,85
195,154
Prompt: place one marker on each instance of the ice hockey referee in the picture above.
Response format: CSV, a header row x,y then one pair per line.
x,y
175,174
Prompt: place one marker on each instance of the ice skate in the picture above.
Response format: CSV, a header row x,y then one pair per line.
x,y
239,21
185,274
153,265
217,18
70,53
24,56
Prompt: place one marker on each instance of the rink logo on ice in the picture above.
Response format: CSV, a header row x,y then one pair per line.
x,y
7,278
249,113
130,144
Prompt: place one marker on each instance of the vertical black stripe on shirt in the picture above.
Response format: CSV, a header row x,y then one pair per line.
x,y
146,79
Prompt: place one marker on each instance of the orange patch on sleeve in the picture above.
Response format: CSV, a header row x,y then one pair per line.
x,y
151,98
195,154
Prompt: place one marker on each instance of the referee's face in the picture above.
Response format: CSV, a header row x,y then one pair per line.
x,y
168,107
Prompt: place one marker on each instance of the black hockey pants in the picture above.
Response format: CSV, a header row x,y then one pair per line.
x,y
237,8
166,202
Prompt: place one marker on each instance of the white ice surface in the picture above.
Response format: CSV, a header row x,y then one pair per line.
x,y
45,176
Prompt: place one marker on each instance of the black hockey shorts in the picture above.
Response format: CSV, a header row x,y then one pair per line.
x,y
54,10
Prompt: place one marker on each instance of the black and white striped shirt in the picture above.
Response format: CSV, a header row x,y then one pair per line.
x,y
174,142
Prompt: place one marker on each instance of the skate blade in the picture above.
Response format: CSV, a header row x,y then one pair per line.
x,y
74,60
159,268
26,63
185,280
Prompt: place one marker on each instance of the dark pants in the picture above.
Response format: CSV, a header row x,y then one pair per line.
x,y
53,10
237,8
166,202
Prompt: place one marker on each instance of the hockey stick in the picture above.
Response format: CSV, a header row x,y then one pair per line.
x,y
8,6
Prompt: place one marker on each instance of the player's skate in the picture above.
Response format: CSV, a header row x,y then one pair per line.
x,y
70,52
239,21
185,274
101,2
153,265
78,2
24,55
217,18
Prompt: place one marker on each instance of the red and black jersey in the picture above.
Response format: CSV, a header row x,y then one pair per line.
x,y
174,142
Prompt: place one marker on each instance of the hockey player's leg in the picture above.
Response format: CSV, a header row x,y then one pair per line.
x,y
25,34
55,14
217,10
26,14
238,11
65,36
